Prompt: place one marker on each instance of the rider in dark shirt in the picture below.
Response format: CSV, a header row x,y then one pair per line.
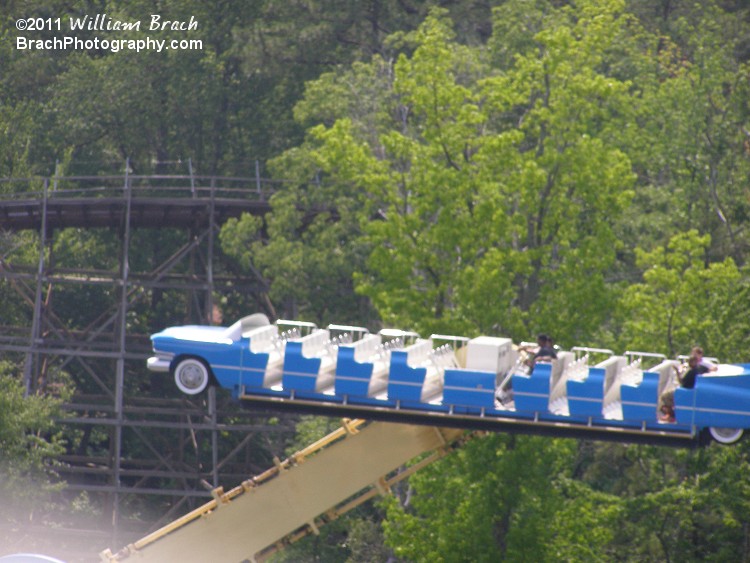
x,y
695,369
545,352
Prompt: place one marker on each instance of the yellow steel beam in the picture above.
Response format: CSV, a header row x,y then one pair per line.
x,y
250,520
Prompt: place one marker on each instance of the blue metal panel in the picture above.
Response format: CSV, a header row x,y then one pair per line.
x,y
640,402
352,377
531,392
585,397
684,403
405,382
722,402
418,405
469,388
224,360
300,373
254,366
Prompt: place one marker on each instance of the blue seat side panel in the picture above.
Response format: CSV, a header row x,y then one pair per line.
x,y
585,398
640,402
253,368
352,377
405,383
300,373
469,388
531,392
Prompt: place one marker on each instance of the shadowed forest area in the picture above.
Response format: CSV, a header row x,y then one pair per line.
x,y
580,168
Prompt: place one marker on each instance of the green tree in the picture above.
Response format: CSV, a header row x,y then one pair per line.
x,y
161,107
683,300
309,255
559,174
691,150
671,505
29,442
485,219
489,501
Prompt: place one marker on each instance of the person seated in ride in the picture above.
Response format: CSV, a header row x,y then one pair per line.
x,y
666,409
697,351
695,368
544,352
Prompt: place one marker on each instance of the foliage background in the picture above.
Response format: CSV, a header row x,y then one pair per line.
x,y
491,167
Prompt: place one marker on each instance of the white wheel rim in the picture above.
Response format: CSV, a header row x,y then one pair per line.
x,y
726,435
191,376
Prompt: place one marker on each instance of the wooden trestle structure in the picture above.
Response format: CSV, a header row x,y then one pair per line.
x,y
164,448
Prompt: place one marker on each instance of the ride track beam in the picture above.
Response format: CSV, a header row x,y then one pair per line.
x,y
294,497
531,426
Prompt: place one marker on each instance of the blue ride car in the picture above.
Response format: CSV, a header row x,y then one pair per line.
x,y
484,377
196,355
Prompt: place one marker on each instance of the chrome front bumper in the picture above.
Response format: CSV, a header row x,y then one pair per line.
x,y
156,363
